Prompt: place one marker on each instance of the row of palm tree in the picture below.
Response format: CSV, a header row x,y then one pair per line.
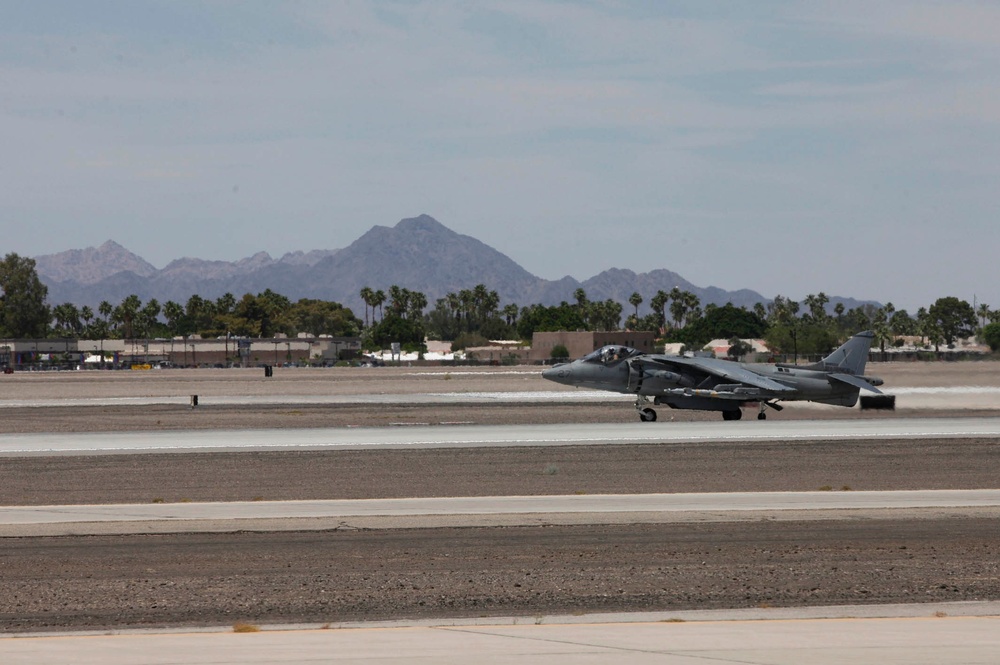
x,y
260,315
128,319
477,310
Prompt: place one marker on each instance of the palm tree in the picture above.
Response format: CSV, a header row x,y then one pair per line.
x,y
67,318
479,295
983,312
692,304
817,306
510,314
225,304
147,317
174,313
659,305
635,300
490,304
415,306
468,300
367,295
681,306
126,313
377,300
105,309
761,311
613,312
398,300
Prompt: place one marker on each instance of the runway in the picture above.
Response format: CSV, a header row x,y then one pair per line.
x,y
908,397
933,636
251,560
481,511
466,436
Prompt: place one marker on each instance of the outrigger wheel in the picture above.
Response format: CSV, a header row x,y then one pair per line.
x,y
647,415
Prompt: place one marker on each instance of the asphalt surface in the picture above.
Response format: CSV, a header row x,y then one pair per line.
x,y
52,583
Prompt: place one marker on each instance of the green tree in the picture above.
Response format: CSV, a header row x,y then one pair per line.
x,y
723,322
539,318
146,319
87,315
225,303
983,312
174,314
991,335
23,311
465,340
378,299
659,304
322,317
67,320
559,352
125,314
738,348
394,328
366,295
635,300
954,318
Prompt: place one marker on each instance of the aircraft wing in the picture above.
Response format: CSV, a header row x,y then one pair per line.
x,y
722,369
855,381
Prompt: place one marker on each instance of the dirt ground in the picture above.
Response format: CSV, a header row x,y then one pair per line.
x,y
328,577
218,579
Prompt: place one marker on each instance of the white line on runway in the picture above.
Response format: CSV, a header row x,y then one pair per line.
x,y
464,436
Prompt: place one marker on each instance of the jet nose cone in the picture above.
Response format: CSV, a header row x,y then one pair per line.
x,y
557,373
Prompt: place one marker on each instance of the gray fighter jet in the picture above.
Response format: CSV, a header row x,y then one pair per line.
x,y
710,384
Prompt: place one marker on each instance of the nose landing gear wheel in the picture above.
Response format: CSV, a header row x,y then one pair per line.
x,y
647,415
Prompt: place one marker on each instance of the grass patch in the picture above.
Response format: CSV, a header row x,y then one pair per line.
x,y
245,628
159,499
550,470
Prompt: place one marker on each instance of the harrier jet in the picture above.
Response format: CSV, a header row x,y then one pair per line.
x,y
710,384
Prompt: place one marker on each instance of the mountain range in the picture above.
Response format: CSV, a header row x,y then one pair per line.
x,y
418,253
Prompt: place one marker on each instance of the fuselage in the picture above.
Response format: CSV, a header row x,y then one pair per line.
x,y
620,375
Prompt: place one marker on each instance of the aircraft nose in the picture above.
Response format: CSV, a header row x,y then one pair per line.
x,y
557,373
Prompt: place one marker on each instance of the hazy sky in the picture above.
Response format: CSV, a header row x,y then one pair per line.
x,y
851,147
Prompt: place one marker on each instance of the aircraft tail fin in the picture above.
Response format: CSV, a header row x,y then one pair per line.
x,y
852,355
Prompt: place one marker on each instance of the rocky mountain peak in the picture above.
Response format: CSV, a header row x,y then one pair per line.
x,y
91,265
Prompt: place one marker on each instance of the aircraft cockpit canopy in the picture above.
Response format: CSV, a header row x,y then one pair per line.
x,y
607,355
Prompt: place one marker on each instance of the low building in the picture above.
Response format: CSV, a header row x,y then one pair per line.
x,y
180,351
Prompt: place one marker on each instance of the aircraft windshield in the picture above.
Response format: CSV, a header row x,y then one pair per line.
x,y
607,355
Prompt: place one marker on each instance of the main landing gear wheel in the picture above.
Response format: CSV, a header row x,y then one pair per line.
x,y
647,415
732,415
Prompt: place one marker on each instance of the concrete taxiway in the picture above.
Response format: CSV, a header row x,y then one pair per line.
x,y
923,634
482,511
467,436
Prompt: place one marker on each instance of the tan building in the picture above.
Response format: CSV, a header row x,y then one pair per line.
x,y
580,344
180,351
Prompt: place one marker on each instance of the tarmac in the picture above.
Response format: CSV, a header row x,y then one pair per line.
x,y
932,634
